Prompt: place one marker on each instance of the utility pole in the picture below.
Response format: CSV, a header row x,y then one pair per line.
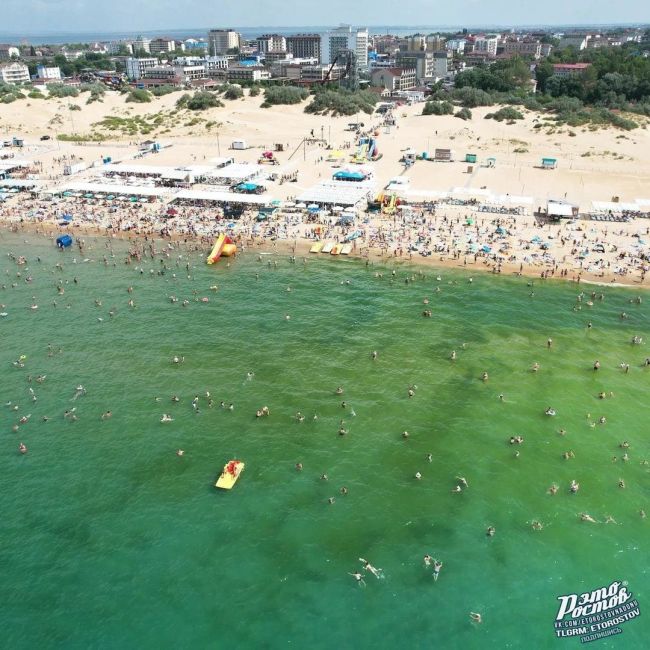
x,y
218,144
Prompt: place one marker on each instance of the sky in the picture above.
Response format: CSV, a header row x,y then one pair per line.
x,y
32,16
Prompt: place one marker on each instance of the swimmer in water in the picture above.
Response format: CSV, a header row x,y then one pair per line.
x,y
491,530
180,452
437,566
359,578
587,517
378,573
166,418
427,560
373,355
463,481
476,617
418,476
574,487
452,356
553,489
485,376
535,367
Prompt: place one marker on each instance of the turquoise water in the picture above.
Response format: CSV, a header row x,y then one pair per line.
x,y
109,540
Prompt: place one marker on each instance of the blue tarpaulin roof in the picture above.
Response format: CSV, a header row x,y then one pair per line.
x,y
356,176
247,187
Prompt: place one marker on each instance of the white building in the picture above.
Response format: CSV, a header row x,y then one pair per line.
x,y
7,51
208,62
271,43
135,68
579,41
486,44
141,43
14,73
456,45
345,38
161,46
222,40
49,74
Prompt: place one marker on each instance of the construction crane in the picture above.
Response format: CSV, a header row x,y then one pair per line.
x,y
349,75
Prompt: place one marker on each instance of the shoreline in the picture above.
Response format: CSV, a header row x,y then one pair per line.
x,y
301,247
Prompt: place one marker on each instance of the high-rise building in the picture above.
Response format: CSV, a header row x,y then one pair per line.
x,y
271,43
304,46
345,38
222,40
135,68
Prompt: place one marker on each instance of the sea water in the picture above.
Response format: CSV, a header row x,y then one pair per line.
x,y
111,540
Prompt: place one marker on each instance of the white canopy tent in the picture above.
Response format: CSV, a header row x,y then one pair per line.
x,y
338,193
556,208
611,206
117,189
235,172
20,183
6,165
219,197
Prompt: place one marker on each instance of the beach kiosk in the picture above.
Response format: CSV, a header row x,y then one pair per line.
x,y
549,163
471,158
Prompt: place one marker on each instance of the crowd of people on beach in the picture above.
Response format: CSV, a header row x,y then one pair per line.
x,y
442,234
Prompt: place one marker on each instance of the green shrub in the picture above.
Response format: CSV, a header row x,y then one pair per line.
x,y
61,90
163,90
505,113
233,92
199,101
438,108
342,102
464,114
74,107
36,94
278,95
139,96
255,90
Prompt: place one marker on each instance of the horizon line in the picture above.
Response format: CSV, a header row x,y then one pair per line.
x,y
328,26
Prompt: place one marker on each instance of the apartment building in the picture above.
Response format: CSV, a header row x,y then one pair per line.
x,y
222,40
394,78
524,48
304,46
136,68
14,73
345,38
271,43
163,46
486,44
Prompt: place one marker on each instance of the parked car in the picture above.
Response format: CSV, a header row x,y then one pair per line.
x,y
45,137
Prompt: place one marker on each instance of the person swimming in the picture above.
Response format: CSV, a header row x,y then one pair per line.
x,y
166,418
378,573
437,567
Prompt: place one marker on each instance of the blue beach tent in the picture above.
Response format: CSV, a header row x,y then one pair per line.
x,y
64,241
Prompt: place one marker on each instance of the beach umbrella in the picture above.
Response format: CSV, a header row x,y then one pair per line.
x,y
469,222
67,193
88,196
110,197
500,231
134,199
486,249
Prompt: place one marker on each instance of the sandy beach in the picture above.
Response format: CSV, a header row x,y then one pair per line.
x,y
592,166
